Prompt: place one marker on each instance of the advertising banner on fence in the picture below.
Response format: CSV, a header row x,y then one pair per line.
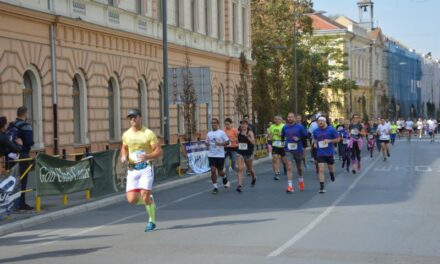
x,y
9,194
57,176
197,156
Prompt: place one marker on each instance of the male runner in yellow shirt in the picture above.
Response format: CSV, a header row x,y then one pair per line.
x,y
139,147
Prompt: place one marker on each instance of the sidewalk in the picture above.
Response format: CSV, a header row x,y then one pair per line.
x,y
52,207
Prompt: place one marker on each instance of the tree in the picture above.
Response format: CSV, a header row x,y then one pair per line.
x,y
242,97
189,100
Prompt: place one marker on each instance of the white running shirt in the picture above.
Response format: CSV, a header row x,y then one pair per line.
x,y
216,136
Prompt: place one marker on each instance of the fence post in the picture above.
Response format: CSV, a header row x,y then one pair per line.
x,y
64,154
37,203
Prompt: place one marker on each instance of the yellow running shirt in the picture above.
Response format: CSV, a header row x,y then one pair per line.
x,y
138,142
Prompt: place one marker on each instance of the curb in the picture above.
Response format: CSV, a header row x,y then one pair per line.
x,y
48,217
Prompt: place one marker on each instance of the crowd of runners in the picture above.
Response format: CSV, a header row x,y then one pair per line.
x,y
231,150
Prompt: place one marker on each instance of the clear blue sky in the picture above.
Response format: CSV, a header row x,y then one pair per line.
x,y
415,23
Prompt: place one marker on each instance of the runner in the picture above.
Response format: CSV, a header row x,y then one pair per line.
x,y
345,150
383,131
356,143
400,124
140,147
246,141
431,129
293,133
299,120
231,149
409,129
393,132
277,145
313,126
371,137
324,139
216,140
419,125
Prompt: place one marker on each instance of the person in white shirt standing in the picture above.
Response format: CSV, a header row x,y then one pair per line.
x,y
216,140
383,131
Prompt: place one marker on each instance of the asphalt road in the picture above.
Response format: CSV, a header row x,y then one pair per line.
x,y
388,213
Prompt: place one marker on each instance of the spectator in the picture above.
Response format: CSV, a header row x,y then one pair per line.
x,y
26,135
6,146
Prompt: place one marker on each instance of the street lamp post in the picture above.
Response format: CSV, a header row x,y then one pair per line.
x,y
165,73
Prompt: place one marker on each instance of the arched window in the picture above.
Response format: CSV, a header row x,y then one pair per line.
x,y
161,110
76,111
143,101
221,105
114,114
80,113
32,100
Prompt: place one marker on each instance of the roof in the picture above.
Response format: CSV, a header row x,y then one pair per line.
x,y
321,22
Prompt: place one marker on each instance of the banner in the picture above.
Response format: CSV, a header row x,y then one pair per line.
x,y
57,176
104,172
9,196
197,156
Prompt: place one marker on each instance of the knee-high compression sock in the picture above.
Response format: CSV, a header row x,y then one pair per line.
x,y
151,209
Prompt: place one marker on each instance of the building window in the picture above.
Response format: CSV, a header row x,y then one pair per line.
x,y
143,100
221,105
244,26
194,15
234,22
28,94
177,12
113,109
76,111
159,10
32,100
220,19
208,17
161,109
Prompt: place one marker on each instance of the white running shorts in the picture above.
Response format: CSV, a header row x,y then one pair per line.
x,y
140,179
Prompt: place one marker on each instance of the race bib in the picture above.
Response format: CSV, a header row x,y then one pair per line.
x,y
385,137
135,156
292,146
323,144
242,146
354,132
345,141
277,143
370,136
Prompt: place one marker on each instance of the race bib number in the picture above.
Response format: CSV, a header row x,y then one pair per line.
x,y
345,141
292,146
323,144
135,156
370,136
354,132
242,146
277,143
385,137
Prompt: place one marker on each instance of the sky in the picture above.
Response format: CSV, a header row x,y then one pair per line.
x,y
414,23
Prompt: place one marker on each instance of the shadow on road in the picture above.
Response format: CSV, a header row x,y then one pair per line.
x,y
218,223
52,254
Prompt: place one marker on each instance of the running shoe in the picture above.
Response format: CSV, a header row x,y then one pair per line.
x,y
276,177
354,171
214,191
301,186
332,177
239,189
289,189
322,190
254,180
388,153
226,183
384,159
150,227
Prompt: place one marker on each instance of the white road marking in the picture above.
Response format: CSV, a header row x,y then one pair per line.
x,y
321,217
